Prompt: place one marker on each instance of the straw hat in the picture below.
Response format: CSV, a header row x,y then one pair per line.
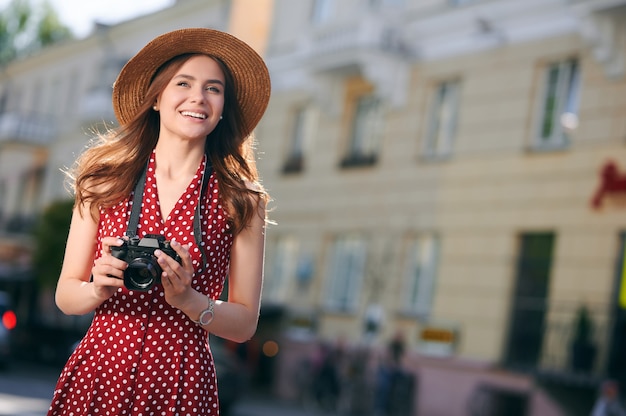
x,y
251,77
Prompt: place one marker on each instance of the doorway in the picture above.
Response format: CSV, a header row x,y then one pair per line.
x,y
529,302
616,364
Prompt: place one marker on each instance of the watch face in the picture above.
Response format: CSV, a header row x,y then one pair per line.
x,y
206,317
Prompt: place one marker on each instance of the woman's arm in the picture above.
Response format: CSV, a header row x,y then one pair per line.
x,y
237,318
75,294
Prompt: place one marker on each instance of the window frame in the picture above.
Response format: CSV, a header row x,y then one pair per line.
x,y
420,274
443,119
366,131
303,123
459,3
381,4
282,269
345,273
566,95
321,11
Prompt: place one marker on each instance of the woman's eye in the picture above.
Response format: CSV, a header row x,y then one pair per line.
x,y
183,84
213,89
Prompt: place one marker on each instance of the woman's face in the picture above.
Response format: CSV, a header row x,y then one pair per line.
x,y
192,102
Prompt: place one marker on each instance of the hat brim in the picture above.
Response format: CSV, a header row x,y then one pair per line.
x,y
250,74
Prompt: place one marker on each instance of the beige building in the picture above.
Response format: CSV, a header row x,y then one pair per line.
x,y
433,165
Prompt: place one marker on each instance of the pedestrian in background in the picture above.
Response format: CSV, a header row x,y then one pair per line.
x,y
395,385
608,404
179,174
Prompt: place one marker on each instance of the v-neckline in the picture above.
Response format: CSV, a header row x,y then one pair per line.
x,y
195,179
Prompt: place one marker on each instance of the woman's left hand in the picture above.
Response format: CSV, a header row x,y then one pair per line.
x,y
176,277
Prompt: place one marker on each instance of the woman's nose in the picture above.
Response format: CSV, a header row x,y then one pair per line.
x,y
197,95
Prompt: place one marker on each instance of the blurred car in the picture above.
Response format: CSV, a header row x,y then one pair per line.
x,y
8,321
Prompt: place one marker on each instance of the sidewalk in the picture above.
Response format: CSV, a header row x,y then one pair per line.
x,y
253,406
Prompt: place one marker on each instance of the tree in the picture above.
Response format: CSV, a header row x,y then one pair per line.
x,y
50,238
25,28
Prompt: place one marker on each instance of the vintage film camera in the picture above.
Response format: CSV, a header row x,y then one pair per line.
x,y
143,270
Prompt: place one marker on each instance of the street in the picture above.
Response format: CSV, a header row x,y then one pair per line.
x,y
26,389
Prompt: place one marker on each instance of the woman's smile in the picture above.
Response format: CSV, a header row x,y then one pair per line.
x,y
195,92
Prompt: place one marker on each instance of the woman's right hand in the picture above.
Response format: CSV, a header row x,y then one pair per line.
x,y
108,271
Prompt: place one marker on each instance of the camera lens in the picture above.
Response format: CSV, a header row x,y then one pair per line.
x,y
142,273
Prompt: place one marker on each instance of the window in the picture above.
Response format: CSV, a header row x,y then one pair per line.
x,y
4,97
461,2
52,106
3,202
322,10
376,4
346,268
34,103
420,274
15,99
71,91
559,104
442,121
366,133
304,123
281,270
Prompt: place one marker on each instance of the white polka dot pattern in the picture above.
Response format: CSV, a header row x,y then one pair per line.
x,y
141,356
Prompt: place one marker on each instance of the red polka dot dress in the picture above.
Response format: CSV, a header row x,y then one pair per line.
x,y
141,356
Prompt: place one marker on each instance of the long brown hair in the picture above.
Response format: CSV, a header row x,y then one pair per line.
x,y
100,175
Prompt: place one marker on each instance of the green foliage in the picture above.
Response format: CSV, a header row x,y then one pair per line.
x,y
25,28
51,236
50,29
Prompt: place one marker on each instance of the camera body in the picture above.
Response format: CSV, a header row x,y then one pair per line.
x,y
143,271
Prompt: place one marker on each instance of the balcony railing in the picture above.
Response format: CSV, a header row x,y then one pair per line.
x,y
27,128
371,33
557,359
335,46
595,5
17,224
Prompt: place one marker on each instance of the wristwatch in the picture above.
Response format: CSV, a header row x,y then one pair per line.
x,y
207,315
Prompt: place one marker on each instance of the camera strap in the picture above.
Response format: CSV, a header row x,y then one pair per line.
x,y
133,221
131,231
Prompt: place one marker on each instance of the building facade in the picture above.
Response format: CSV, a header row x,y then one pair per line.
x,y
450,169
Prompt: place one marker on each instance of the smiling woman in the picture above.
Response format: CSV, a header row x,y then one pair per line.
x,y
179,172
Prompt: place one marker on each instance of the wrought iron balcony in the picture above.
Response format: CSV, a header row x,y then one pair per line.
x,y
346,44
575,346
598,5
18,224
27,128
369,45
